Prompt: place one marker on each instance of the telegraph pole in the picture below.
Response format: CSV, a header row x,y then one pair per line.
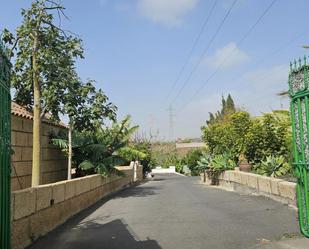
x,y
171,122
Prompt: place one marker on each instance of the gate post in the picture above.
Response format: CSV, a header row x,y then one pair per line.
x,y
299,95
5,150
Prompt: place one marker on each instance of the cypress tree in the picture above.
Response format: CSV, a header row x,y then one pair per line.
x,y
229,104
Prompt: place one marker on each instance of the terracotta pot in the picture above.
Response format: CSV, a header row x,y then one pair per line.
x,y
244,166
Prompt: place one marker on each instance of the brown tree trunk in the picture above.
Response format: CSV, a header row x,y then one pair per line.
x,y
36,156
70,151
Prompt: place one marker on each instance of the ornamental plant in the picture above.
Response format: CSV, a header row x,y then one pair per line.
x,y
274,166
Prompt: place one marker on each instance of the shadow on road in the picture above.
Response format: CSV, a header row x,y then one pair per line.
x,y
83,232
139,191
111,235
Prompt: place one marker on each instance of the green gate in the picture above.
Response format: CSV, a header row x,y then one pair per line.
x,y
5,151
299,93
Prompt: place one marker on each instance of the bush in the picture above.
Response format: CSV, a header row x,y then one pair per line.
x,y
148,161
268,136
257,139
213,166
191,160
273,166
228,135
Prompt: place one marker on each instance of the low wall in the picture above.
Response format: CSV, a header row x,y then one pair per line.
x,y
38,210
250,183
159,170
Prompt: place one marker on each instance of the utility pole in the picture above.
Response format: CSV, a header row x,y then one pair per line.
x,y
152,121
171,122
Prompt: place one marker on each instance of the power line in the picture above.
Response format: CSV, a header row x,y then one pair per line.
x,y
171,123
232,52
192,49
204,51
275,52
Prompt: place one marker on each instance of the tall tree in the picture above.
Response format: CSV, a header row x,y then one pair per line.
x,y
223,105
86,108
230,106
227,108
44,59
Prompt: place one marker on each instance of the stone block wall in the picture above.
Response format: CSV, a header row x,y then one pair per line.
x,y
54,163
245,182
36,211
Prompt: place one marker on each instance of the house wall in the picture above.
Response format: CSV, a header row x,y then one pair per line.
x,y
54,163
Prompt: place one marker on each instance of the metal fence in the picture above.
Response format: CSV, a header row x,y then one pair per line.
x,y
299,93
5,151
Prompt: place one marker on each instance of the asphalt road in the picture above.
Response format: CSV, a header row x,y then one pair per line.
x,y
174,212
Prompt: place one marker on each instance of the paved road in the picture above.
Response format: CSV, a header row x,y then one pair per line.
x,y
174,212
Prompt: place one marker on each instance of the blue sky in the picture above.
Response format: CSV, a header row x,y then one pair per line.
x,y
134,49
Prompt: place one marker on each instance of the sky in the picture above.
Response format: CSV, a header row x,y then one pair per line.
x,y
144,55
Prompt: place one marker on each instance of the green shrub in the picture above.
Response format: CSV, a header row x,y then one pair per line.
x,y
268,136
204,162
218,164
191,160
255,138
228,135
148,161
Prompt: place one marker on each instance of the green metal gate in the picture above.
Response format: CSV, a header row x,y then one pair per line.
x,y
5,137
299,93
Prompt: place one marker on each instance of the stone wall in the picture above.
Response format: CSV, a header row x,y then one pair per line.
x,y
54,163
250,183
36,211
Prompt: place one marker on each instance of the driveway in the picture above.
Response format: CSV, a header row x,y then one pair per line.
x,y
174,212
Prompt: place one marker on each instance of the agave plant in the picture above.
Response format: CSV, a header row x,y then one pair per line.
x,y
274,166
204,164
220,163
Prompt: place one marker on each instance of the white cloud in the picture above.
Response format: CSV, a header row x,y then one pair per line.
x,y
227,57
166,12
256,92
269,78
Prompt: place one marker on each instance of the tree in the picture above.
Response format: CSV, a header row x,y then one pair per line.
x,y
227,108
228,136
211,119
100,150
223,106
43,67
86,108
230,106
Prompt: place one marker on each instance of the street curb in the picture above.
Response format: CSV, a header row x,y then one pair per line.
x,y
180,174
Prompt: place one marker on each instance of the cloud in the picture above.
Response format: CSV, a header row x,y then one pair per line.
x,y
268,79
166,12
256,91
227,57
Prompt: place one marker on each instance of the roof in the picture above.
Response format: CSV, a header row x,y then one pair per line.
x,y
190,145
23,112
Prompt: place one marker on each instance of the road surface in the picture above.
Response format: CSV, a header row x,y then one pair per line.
x,y
174,212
